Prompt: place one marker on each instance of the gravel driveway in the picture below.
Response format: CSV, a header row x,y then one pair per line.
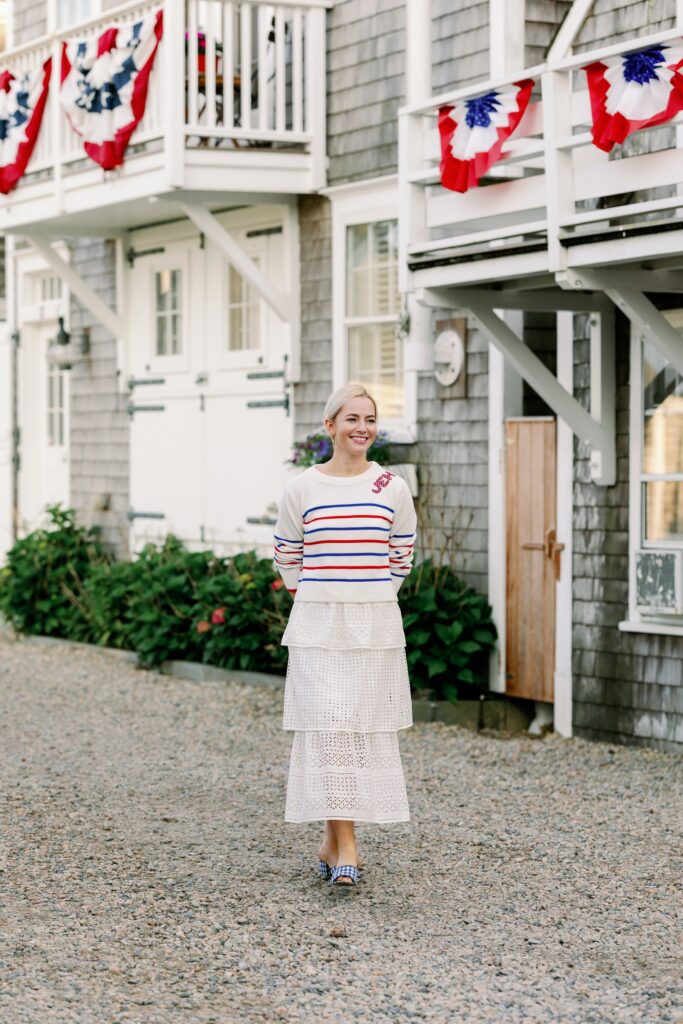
x,y
146,874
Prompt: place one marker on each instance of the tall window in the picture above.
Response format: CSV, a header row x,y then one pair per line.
x,y
168,292
55,407
662,461
71,11
244,323
375,354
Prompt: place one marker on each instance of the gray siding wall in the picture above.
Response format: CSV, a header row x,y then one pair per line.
x,y
453,458
628,687
612,21
99,421
315,240
29,19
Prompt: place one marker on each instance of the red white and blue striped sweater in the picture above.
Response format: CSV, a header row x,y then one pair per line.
x,y
345,538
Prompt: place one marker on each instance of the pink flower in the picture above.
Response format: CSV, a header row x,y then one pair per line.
x,y
203,626
277,585
218,616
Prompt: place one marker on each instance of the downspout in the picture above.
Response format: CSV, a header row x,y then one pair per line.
x,y
13,327
419,353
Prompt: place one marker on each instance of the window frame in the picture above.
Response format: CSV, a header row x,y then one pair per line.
x,y
636,622
173,259
53,16
257,249
363,203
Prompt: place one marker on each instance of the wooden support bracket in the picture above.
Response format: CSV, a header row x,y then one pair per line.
x,y
600,432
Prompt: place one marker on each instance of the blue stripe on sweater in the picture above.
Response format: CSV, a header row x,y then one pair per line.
x,y
349,504
336,529
349,554
343,579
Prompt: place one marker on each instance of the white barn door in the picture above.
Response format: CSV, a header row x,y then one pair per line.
x,y
5,441
204,462
44,425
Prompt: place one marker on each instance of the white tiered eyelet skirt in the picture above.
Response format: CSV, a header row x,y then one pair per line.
x,y
347,694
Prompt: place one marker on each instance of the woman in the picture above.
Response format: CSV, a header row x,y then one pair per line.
x,y
344,543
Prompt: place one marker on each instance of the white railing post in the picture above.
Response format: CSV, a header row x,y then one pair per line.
x,y
172,86
559,170
316,125
56,116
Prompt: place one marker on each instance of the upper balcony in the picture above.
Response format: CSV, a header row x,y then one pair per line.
x,y
235,114
554,203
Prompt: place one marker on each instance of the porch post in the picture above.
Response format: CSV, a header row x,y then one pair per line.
x,y
419,354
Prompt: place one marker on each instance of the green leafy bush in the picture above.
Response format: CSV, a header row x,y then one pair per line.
x,y
174,604
449,632
41,584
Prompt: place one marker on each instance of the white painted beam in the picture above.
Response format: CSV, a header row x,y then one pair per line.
x,y
551,299
507,25
80,288
637,308
538,375
236,256
569,30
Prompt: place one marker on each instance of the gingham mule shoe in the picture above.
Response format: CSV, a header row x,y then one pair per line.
x,y
345,871
324,869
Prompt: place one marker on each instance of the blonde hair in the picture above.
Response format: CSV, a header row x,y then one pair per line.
x,y
342,395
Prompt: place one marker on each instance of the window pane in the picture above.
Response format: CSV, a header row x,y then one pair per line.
x,y
376,360
372,269
244,313
663,510
168,312
663,411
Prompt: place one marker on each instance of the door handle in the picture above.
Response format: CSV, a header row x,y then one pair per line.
x,y
553,551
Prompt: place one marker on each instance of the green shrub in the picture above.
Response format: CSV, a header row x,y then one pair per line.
x,y
449,632
41,584
174,604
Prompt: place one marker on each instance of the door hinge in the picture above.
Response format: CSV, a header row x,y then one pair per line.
x,y
133,514
138,382
282,403
132,409
133,254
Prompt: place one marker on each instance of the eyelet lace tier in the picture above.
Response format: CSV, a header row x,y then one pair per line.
x,y
342,625
351,776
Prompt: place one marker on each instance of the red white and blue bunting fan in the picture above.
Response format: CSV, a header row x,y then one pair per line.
x,y
473,133
104,86
634,90
22,102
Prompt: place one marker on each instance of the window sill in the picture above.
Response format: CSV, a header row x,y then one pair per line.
x,y
661,628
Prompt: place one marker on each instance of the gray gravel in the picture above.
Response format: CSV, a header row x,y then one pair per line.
x,y
146,874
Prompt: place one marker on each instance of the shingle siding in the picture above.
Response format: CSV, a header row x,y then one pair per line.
x,y
614,21
29,20
315,239
628,687
99,421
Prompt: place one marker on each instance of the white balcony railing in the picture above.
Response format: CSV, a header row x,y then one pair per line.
x,y
230,77
553,195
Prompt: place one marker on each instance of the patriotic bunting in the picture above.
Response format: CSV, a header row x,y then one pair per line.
x,y
635,90
473,132
104,86
22,102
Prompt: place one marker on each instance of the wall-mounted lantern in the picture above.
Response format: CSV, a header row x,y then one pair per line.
x,y
63,352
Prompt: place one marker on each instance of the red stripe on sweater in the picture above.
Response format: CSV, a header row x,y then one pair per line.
x,y
383,540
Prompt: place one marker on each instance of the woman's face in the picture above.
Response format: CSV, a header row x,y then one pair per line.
x,y
354,428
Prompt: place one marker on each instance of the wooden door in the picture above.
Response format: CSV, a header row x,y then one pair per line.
x,y
532,557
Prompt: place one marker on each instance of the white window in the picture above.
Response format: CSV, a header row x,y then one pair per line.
x,y
168,311
374,352
55,407
656,488
367,345
49,288
70,12
662,449
244,313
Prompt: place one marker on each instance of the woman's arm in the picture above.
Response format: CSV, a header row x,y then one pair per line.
x,y
402,538
289,541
